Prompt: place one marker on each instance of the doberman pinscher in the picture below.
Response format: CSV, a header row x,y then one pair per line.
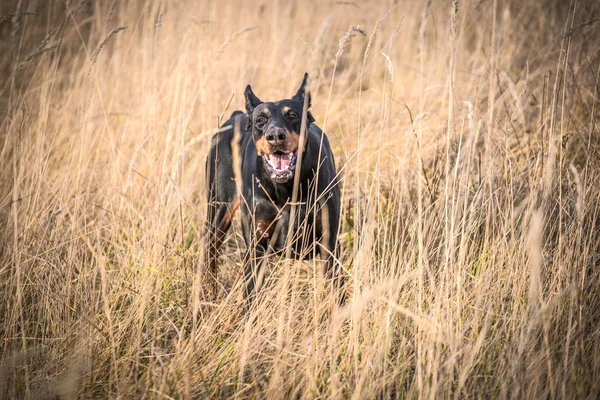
x,y
285,182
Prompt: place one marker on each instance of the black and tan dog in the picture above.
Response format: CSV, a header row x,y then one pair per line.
x,y
264,146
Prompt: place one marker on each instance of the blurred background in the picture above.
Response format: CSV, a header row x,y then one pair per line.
x,y
466,136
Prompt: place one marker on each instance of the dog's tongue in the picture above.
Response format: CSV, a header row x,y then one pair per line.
x,y
281,161
280,166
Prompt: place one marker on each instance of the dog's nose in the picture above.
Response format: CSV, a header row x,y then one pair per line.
x,y
275,137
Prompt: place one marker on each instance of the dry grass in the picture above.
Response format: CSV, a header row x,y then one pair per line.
x,y
467,136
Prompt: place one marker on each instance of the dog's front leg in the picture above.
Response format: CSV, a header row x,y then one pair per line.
x,y
333,272
330,250
264,235
254,264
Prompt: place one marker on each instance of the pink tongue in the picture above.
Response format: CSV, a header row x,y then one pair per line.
x,y
281,161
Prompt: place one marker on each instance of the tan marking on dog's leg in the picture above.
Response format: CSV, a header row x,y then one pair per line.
x,y
261,273
233,206
263,228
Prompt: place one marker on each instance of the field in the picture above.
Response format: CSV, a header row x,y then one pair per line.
x,y
466,135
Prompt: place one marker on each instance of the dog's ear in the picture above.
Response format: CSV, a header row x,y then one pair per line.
x,y
251,100
299,96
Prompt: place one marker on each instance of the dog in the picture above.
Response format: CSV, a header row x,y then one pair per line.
x,y
285,183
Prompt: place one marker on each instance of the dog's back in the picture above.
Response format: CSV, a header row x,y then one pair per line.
x,y
222,196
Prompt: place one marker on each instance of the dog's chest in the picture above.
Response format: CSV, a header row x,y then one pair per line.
x,y
302,229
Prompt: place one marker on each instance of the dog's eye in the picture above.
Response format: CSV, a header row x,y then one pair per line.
x,y
291,116
260,122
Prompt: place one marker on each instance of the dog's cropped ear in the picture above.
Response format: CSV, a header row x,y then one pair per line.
x,y
251,100
299,96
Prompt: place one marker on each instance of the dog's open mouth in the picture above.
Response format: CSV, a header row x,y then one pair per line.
x,y
281,165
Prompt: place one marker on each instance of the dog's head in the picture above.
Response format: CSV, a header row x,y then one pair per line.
x,y
276,130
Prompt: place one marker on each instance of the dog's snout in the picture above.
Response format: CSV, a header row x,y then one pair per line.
x,y
275,136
